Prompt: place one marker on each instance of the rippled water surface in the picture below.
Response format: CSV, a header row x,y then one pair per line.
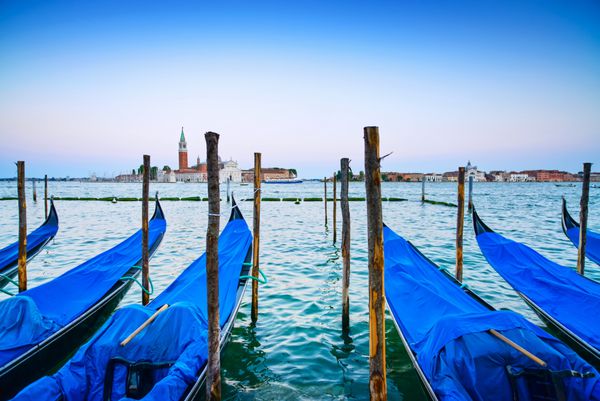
x,y
297,349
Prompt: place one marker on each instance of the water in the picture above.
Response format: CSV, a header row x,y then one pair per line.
x,y
297,350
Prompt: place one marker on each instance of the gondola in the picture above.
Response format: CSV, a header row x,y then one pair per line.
x,y
40,327
571,230
167,360
567,301
450,335
36,241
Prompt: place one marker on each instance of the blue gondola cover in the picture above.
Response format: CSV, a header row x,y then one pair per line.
x,y
447,330
33,315
173,348
568,297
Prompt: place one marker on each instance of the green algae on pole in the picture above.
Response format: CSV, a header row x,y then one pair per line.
x,y
583,217
460,220
213,365
22,258
256,235
377,374
345,163
145,267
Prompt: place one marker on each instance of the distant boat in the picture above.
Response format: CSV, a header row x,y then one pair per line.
x,y
283,181
36,240
243,184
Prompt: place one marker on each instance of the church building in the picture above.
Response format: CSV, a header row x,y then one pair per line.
x,y
198,173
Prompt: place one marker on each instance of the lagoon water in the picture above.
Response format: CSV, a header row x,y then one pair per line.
x,y
297,350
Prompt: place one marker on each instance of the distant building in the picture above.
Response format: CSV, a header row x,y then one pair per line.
x,y
272,173
450,176
433,177
519,177
197,173
499,175
230,170
550,175
471,171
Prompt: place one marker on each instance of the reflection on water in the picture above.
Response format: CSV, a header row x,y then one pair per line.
x,y
297,350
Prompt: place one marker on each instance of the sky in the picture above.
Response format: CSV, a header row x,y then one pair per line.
x,y
89,87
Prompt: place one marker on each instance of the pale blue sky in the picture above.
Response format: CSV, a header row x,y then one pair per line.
x,y
90,87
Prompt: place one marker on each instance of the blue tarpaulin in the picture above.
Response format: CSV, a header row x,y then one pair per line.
x,y
33,315
447,330
571,229
568,297
174,345
38,237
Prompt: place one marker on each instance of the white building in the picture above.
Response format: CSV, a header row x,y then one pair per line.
x,y
230,170
515,177
433,177
471,171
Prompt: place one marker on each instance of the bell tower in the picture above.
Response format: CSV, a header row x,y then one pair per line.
x,y
183,154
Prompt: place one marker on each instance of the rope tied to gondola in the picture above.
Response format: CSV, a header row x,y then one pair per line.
x,y
262,280
7,278
134,279
7,292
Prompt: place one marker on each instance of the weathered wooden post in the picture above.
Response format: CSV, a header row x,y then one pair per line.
x,y
377,377
334,208
34,190
213,368
583,215
423,188
22,258
228,193
460,223
145,267
46,195
256,234
345,166
325,197
470,207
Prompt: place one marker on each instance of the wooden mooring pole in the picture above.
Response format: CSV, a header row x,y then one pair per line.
x,y
470,207
22,258
256,235
46,195
583,217
423,188
213,368
34,190
460,220
228,193
377,374
325,197
345,166
145,266
334,208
